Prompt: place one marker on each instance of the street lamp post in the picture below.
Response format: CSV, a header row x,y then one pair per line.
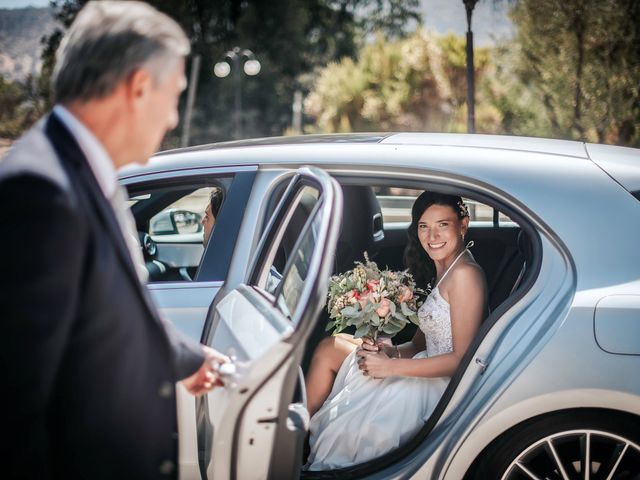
x,y
471,108
251,67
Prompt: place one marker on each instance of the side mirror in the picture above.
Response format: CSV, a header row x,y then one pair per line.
x,y
175,222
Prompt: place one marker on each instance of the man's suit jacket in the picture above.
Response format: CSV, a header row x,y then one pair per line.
x,y
87,367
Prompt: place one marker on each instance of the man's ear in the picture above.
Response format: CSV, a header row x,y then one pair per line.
x,y
138,86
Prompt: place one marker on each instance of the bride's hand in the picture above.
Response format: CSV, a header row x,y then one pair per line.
x,y
368,345
385,345
375,364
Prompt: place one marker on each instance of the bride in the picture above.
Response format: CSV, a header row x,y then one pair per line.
x,y
367,399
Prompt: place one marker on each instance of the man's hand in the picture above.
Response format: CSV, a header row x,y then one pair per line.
x,y
206,378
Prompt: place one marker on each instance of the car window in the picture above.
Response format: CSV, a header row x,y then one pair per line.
x,y
296,275
169,219
283,270
396,208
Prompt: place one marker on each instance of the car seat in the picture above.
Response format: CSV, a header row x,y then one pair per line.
x,y
526,251
362,227
362,230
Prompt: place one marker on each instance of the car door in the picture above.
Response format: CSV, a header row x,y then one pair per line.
x,y
185,301
257,423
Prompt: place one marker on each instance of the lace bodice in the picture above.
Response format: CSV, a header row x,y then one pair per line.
x,y
435,323
435,318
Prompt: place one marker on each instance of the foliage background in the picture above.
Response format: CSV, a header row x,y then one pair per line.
x,y
572,70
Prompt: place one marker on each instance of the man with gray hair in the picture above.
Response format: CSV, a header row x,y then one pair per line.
x,y
87,367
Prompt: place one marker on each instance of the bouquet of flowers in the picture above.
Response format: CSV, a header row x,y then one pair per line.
x,y
374,301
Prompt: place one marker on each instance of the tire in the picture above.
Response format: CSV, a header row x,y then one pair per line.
x,y
557,446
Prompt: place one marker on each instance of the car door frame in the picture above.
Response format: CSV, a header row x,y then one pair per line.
x,y
263,398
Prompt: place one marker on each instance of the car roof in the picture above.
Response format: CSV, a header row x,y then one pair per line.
x,y
333,149
530,144
288,140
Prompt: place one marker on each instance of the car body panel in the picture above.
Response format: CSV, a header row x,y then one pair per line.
x,y
539,353
185,304
619,162
616,325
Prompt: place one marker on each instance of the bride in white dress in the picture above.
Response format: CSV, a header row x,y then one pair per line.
x,y
367,399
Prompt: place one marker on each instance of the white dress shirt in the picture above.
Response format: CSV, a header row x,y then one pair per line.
x,y
98,158
103,169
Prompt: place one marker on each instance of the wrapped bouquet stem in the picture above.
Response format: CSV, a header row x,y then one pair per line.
x,y
376,302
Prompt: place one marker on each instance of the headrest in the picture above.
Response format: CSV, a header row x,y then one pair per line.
x,y
362,226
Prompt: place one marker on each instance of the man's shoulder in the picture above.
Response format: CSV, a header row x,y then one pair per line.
x,y
33,155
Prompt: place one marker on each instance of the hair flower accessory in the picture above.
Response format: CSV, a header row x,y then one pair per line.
x,y
464,210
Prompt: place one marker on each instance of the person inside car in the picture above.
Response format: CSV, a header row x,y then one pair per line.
x,y
367,399
211,213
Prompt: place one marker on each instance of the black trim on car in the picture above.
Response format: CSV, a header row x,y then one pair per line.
x,y
215,261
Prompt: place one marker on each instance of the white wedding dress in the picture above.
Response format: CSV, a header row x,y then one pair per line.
x,y
364,418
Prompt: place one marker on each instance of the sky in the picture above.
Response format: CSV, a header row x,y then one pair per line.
x,y
23,3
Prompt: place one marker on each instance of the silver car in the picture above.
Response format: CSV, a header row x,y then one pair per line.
x,y
550,388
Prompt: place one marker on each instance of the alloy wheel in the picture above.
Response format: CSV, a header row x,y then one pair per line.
x,y
577,454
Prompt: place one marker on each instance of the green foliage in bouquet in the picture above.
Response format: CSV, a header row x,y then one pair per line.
x,y
376,302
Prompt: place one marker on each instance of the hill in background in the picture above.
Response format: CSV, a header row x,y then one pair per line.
x,y
21,30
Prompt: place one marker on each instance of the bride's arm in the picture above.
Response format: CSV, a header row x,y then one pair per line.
x,y
409,349
466,296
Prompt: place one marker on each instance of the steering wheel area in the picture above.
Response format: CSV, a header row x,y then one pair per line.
x,y
155,267
149,247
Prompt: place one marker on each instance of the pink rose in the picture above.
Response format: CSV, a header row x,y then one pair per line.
x,y
383,309
405,294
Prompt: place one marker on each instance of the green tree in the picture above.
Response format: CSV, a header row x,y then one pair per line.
x,y
289,37
20,106
412,84
515,104
581,59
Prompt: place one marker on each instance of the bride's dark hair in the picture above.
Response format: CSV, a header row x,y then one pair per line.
x,y
415,258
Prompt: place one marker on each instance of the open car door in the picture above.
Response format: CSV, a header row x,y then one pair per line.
x,y
258,421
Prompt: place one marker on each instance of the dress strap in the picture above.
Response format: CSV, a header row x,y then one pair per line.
x,y
469,245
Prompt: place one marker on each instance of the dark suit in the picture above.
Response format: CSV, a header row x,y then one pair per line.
x,y
87,368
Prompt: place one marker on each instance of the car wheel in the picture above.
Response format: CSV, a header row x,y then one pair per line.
x,y
589,444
